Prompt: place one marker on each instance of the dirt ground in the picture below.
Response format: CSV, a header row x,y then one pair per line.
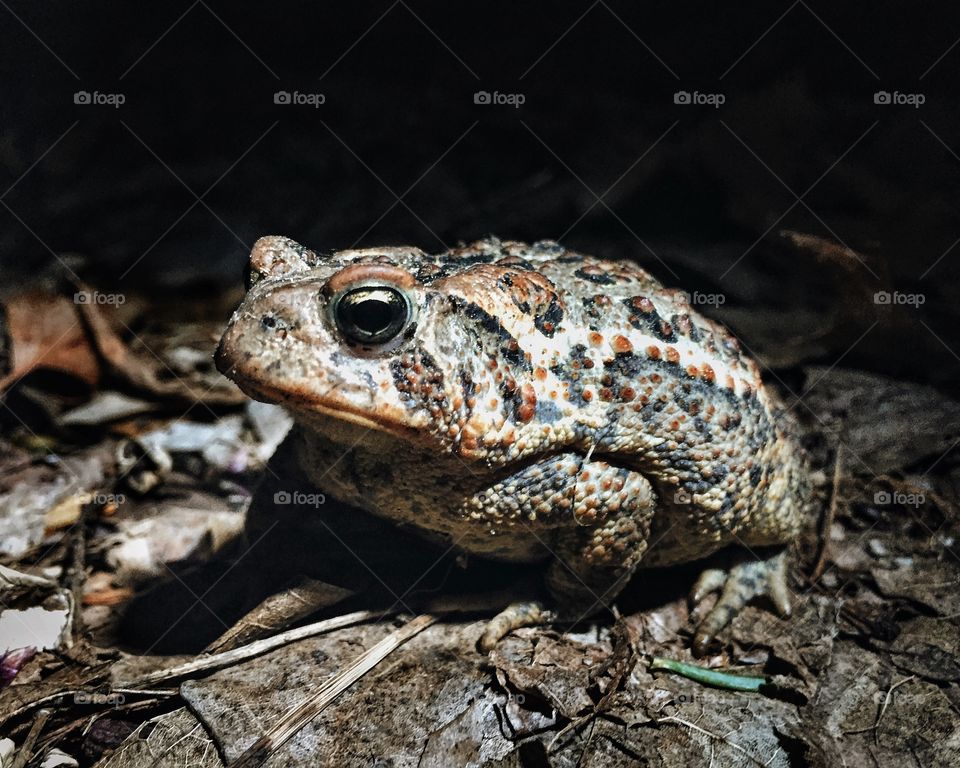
x,y
820,216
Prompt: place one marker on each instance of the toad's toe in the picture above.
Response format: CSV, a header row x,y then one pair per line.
x,y
740,584
514,616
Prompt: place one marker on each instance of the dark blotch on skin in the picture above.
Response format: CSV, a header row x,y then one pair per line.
x,y
516,261
426,359
649,321
628,365
523,306
571,373
686,326
578,354
594,277
467,385
547,412
510,348
463,260
550,246
427,386
548,321
512,398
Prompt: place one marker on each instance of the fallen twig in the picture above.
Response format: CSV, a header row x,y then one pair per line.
x,y
883,709
218,660
821,561
26,751
87,721
77,575
620,664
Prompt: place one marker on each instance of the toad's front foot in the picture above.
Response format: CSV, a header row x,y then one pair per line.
x,y
739,585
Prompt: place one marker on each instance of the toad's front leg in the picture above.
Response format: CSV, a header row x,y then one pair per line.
x,y
594,554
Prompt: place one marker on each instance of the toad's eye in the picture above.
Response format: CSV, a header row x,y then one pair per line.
x,y
371,315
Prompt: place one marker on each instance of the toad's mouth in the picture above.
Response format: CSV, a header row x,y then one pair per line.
x,y
317,408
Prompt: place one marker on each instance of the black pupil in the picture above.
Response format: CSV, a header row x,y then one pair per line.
x,y
373,315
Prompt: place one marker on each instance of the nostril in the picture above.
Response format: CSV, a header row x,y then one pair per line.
x,y
271,323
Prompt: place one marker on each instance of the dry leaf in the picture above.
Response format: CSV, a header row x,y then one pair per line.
x,y
46,332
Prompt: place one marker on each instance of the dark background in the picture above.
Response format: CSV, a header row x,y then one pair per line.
x,y
400,153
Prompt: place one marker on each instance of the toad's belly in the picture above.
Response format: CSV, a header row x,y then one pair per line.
x,y
516,546
513,514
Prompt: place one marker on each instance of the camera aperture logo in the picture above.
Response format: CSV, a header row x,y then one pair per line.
x,y
99,99
299,498
515,100
697,99
898,99
95,297
298,99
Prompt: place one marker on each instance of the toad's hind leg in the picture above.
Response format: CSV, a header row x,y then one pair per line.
x,y
594,553
738,585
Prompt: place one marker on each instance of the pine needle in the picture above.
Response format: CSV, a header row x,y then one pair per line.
x,y
296,718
